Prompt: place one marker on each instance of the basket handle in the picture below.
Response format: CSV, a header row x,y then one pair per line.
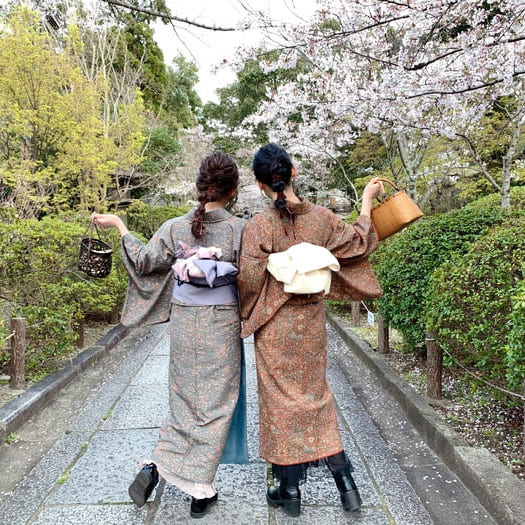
x,y
382,179
89,232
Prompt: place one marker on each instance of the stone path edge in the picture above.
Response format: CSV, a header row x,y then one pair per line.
x,y
498,490
17,411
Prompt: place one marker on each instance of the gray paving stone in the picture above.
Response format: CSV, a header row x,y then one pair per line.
x,y
92,515
92,416
222,513
332,516
154,371
108,466
252,432
245,483
29,494
141,406
130,367
163,346
158,330
339,384
120,428
251,375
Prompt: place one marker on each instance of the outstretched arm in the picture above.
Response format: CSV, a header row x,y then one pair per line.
x,y
110,221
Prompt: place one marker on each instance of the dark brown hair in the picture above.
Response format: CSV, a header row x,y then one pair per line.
x,y
218,177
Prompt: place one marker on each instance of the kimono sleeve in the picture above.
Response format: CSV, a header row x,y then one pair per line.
x,y
157,255
150,283
351,243
256,246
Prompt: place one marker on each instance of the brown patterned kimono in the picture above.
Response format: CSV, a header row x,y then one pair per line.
x,y
205,349
298,421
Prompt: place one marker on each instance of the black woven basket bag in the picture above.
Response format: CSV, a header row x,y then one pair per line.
x,y
95,257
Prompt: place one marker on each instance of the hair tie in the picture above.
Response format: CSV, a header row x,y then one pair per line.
x,y
199,222
278,184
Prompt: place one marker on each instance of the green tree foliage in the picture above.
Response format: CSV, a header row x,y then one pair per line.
x,y
142,54
469,303
241,99
182,103
490,143
57,151
163,153
48,112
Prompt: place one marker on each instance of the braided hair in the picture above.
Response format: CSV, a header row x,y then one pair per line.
x,y
273,166
218,177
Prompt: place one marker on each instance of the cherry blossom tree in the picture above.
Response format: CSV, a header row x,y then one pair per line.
x,y
408,67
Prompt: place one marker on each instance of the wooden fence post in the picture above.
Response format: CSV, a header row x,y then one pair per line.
x,y
434,367
80,330
383,340
18,356
356,313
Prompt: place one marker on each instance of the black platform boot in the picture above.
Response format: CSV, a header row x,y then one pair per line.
x,y
350,497
341,469
144,483
289,497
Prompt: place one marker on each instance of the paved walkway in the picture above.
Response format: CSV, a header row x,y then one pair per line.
x,y
83,478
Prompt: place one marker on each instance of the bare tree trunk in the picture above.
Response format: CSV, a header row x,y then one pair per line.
x,y
79,329
479,161
383,340
434,368
356,313
411,153
114,315
18,356
508,159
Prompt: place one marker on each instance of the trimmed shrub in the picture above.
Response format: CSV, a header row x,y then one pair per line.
x,y
515,349
405,262
40,280
469,303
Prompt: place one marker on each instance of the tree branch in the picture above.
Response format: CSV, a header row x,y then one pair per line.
x,y
480,162
464,90
165,16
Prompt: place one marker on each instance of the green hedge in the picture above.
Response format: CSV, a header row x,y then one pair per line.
x,y
405,262
515,349
469,303
40,281
147,219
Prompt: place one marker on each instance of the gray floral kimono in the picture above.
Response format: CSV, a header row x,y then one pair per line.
x,y
205,354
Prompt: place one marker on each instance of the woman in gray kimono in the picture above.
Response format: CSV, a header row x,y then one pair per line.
x,y
187,273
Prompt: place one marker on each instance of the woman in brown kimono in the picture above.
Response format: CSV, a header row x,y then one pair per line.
x,y
205,347
298,423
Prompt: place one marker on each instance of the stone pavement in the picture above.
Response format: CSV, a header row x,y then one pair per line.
x,y
83,478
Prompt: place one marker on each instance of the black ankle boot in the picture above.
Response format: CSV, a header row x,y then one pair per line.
x,y
200,507
289,497
142,487
350,497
